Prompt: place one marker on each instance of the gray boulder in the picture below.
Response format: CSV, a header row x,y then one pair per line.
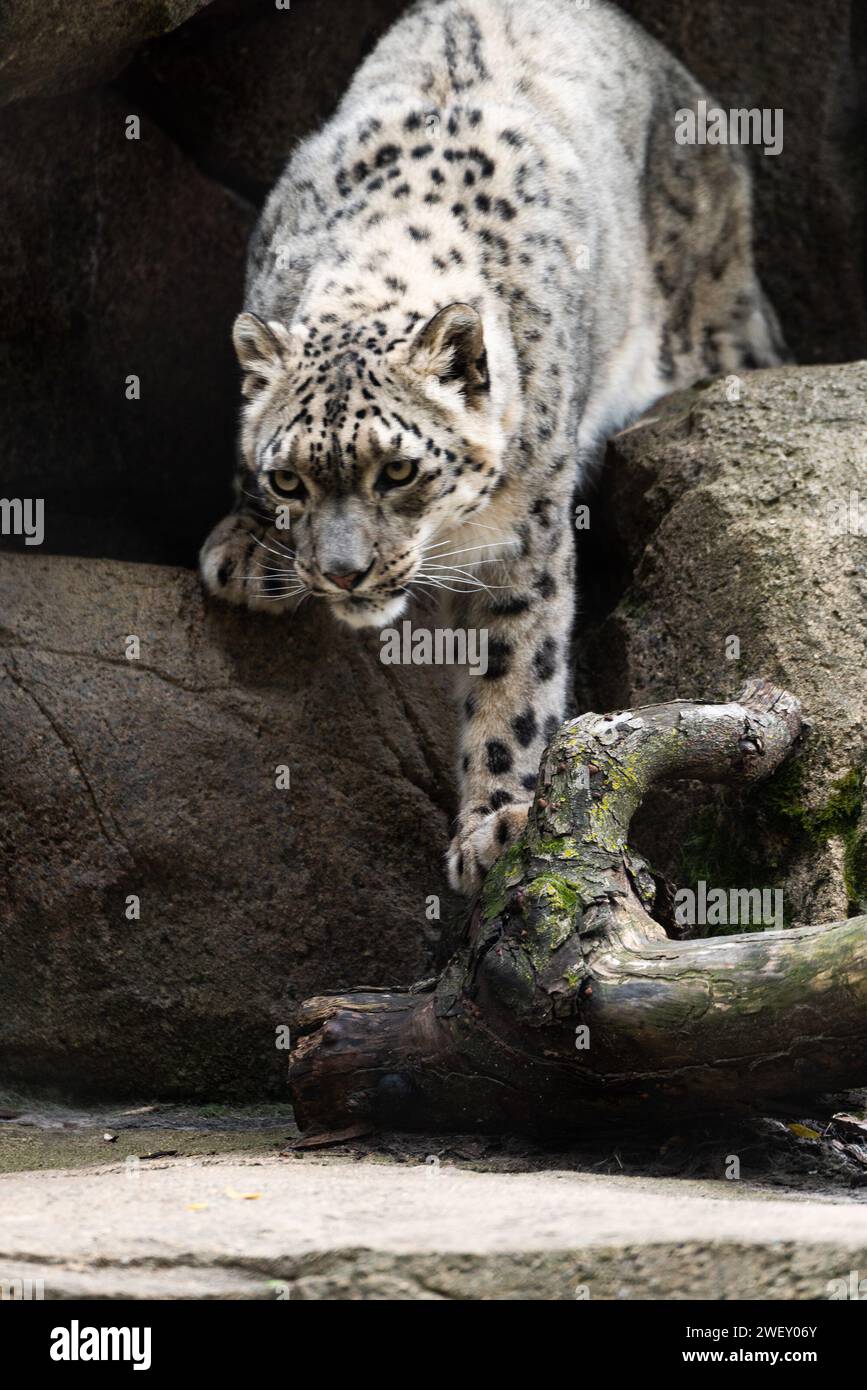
x,y
740,511
155,779
52,45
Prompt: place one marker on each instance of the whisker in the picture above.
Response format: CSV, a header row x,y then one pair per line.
x,y
480,524
254,497
277,582
276,577
482,545
440,584
468,549
278,571
461,574
259,510
271,574
458,574
428,599
278,593
281,555
284,549
457,526
465,564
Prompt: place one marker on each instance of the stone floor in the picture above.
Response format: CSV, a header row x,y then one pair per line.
x,y
146,1202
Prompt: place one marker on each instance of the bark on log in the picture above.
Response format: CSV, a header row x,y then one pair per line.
x,y
561,938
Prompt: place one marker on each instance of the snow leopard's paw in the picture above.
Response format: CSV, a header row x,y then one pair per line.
x,y
479,842
244,561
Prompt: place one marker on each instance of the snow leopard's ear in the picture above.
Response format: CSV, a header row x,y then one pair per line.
x,y
451,347
262,349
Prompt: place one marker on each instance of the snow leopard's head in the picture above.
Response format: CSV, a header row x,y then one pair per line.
x,y
369,443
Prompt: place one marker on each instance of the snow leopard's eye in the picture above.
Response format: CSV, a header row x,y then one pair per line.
x,y
397,474
285,483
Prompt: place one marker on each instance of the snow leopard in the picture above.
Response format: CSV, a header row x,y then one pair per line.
x,y
494,254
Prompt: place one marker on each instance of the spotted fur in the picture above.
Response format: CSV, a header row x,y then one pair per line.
x,y
493,255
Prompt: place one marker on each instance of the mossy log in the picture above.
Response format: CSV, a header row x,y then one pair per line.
x,y
568,1008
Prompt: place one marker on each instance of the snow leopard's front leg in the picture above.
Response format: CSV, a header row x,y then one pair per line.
x,y
510,712
249,561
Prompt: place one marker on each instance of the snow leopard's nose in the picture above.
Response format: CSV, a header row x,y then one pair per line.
x,y
344,579
344,550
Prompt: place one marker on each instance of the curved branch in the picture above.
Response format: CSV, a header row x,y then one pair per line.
x,y
561,948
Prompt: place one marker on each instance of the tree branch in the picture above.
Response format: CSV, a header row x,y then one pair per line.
x,y
561,949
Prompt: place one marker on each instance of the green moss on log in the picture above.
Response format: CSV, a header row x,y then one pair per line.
x,y
723,859
505,874
840,817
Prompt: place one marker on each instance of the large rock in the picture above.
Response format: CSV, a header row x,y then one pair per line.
x,y
50,46
155,778
736,510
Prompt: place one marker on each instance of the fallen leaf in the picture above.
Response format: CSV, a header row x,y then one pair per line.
x,y
851,1126
851,1151
334,1136
802,1132
242,1196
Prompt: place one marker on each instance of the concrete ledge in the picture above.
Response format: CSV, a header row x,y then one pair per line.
x,y
281,1228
